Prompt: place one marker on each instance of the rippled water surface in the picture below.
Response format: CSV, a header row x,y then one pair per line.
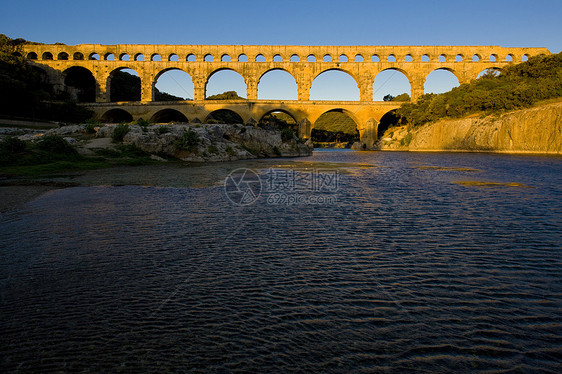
x,y
411,262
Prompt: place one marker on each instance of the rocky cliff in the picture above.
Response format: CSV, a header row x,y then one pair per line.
x,y
533,130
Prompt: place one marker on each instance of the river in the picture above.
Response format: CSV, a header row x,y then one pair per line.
x,y
335,263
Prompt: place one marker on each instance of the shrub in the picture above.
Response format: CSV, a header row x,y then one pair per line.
x,y
213,149
287,134
90,128
119,132
163,130
12,145
188,140
56,144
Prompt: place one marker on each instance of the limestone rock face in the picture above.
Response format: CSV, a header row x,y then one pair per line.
x,y
533,130
214,142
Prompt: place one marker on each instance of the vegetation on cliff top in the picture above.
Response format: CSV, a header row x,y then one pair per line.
x,y
518,86
25,92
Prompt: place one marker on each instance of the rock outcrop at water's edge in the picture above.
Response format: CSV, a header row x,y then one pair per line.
x,y
533,130
207,142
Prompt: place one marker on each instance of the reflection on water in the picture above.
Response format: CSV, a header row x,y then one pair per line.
x,y
409,271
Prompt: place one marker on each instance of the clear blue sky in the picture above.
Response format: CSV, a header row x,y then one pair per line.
x,y
508,23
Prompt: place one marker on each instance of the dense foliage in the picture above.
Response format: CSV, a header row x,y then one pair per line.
x,y
518,86
228,95
25,92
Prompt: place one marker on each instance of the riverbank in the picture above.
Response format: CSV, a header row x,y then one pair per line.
x,y
536,130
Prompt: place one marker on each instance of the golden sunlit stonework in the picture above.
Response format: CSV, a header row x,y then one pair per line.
x,y
304,63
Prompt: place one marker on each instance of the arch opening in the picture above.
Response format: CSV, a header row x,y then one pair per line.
x,y
124,85
173,57
78,56
80,84
408,58
260,58
334,129
277,58
139,57
32,56
295,58
375,58
389,120
243,58
279,120
47,56
94,56
116,116
358,58
124,57
440,80
311,58
459,58
334,84
191,58
225,58
109,57
155,57
173,85
62,56
224,116
169,116
225,84
391,58
391,85
277,84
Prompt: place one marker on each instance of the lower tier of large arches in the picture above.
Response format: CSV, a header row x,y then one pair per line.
x,y
305,114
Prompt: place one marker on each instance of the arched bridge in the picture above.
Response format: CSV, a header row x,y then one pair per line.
x,y
304,63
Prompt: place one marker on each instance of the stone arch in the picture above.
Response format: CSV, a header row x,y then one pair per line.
x,y
225,58
389,119
47,56
343,58
173,57
124,57
408,58
168,116
259,58
334,121
425,58
139,57
32,56
476,57
284,73
459,57
295,58
375,58
327,58
189,91
155,57
109,57
78,56
391,58
311,58
442,57
80,84
279,118
356,94
358,58
62,56
123,86
219,70
242,58
116,116
389,76
191,58
93,56
493,58
277,58
431,87
224,116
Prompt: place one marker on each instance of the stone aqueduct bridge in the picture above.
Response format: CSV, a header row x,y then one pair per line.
x,y
304,63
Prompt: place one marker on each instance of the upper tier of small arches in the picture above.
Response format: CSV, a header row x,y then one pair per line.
x,y
303,54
